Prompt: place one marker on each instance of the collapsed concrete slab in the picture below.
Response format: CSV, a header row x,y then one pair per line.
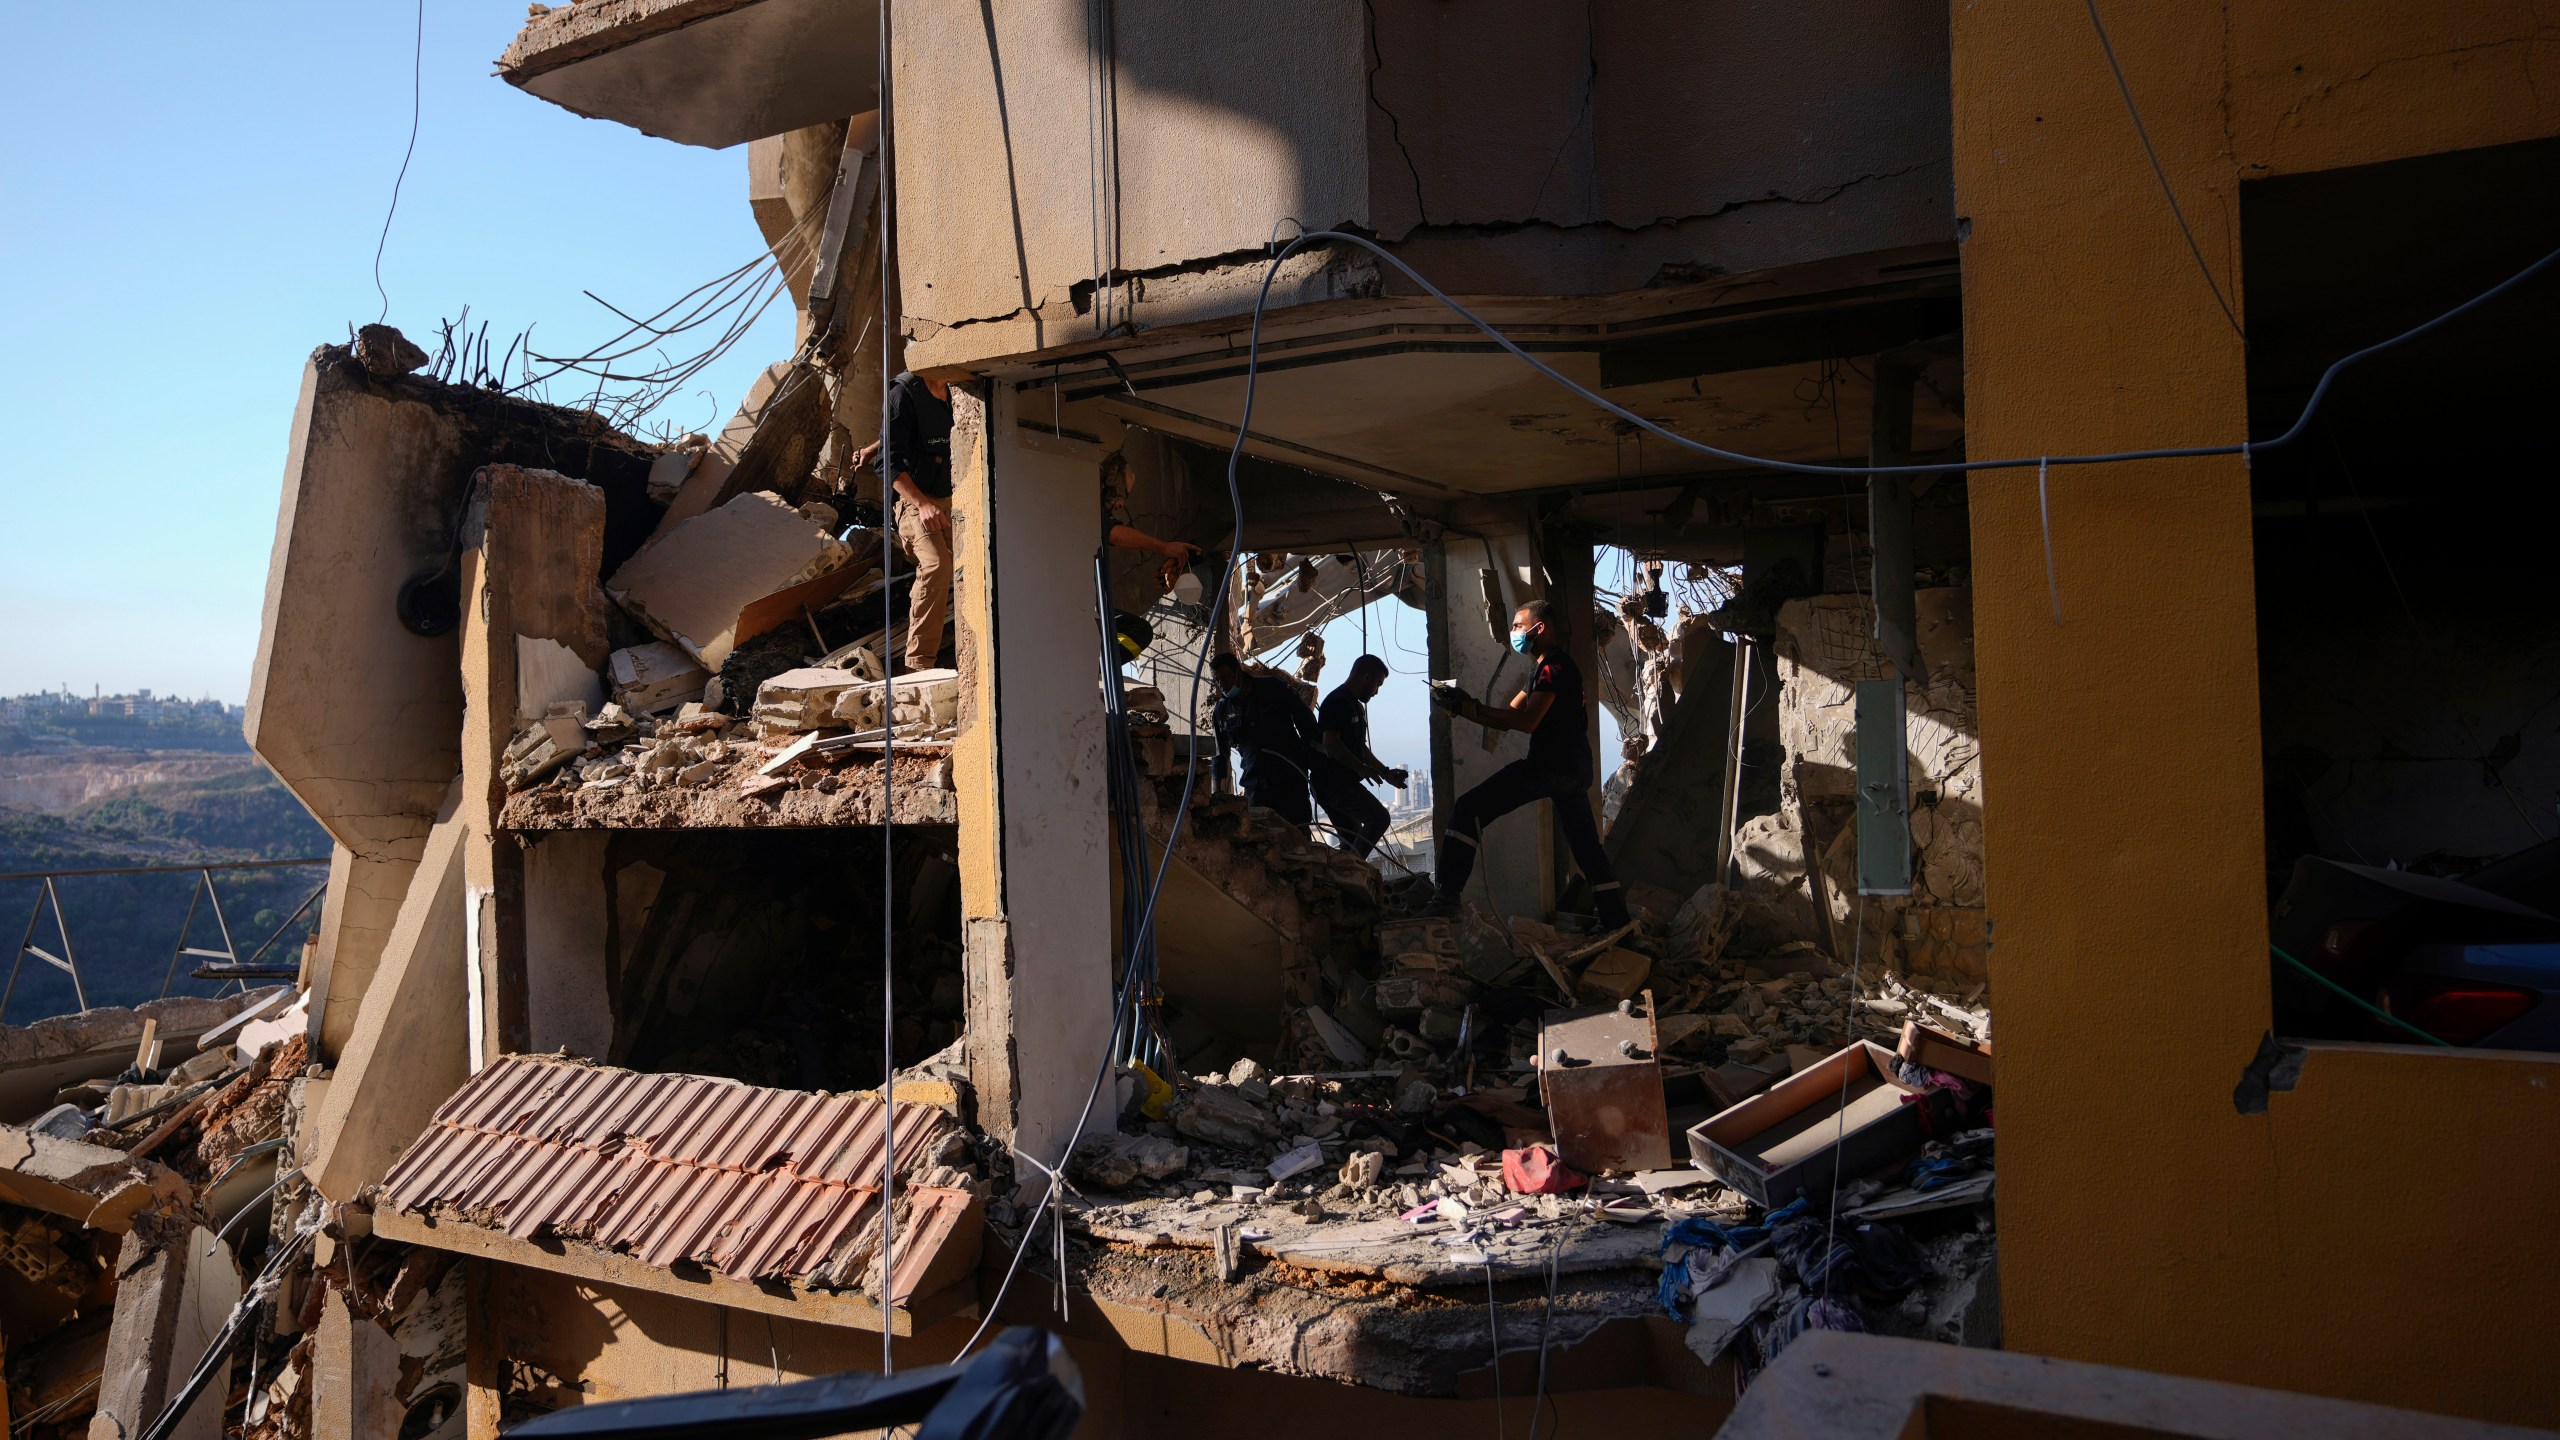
x,y
714,73
39,1059
693,583
100,1188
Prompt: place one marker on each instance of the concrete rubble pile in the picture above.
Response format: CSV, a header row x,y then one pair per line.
x,y
1444,1133
742,624
763,677
144,1188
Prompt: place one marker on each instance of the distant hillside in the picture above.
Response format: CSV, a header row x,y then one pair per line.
x,y
124,928
247,814
220,735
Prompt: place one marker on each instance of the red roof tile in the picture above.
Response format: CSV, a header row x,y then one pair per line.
x,y
750,1182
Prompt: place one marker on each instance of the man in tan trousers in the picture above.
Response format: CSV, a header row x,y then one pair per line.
x,y
916,458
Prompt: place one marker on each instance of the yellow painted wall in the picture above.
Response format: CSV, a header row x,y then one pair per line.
x,y
2391,1229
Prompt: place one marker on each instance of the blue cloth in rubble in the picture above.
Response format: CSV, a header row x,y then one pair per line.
x,y
1798,1314
1700,1233
1932,1172
1825,1258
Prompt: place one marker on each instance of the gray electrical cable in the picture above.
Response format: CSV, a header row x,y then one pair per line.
x,y
218,1353
888,739
1226,575
417,105
2243,449
2142,132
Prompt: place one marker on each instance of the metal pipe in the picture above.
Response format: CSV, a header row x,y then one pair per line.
x,y
162,869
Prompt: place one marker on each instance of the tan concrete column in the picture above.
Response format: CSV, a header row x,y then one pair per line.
x,y
1035,882
169,1306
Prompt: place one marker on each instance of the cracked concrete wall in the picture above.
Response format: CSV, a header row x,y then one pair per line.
x,y
2121,748
1512,147
1518,147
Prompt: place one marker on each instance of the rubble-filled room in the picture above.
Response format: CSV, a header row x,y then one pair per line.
x,y
2407,657
1777,1037
753,955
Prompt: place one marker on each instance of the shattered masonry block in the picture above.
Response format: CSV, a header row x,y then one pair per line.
x,y
1407,993
803,699
813,698
1428,936
1617,973
693,582
649,678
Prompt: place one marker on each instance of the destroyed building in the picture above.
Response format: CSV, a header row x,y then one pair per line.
x,y
700,994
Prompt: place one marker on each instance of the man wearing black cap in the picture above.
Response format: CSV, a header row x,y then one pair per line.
x,y
1558,769
1273,733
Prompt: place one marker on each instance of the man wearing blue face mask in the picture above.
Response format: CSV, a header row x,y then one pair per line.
x,y
1558,769
1272,732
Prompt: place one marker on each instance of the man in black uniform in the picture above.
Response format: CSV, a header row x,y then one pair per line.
x,y
916,461
1558,769
1273,733
1348,765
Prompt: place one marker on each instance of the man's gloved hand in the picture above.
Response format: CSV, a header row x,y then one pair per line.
x,y
1448,696
1400,779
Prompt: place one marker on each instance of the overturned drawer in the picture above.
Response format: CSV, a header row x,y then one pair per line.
x,y
1799,1134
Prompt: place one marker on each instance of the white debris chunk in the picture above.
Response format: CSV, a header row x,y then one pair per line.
x,y
693,582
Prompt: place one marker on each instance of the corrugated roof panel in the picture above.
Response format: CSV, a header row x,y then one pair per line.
x,y
858,1156
758,1183
827,1129
678,1137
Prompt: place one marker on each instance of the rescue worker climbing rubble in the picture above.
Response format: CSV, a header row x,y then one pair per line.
x,y
1357,815
1273,734
1558,768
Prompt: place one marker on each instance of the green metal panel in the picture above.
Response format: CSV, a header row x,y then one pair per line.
x,y
1884,791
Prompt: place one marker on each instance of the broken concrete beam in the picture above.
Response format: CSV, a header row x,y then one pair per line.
x,y
649,678
1218,1115
693,583
1114,1161
170,1305
355,1375
103,1189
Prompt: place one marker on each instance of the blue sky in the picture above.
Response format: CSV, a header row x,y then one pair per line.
x,y
189,200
